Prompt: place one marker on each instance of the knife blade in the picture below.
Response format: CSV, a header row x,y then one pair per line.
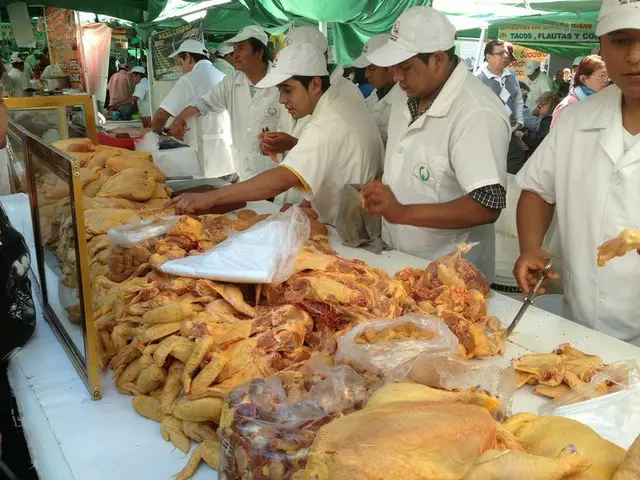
x,y
529,299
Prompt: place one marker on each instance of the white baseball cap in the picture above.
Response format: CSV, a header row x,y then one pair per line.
x,y
531,67
139,70
372,45
191,46
224,49
618,15
15,58
307,34
417,30
250,32
302,59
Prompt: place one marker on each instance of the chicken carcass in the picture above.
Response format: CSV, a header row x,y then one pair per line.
x,y
132,183
617,247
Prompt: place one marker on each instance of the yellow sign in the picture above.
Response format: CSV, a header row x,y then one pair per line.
x,y
524,55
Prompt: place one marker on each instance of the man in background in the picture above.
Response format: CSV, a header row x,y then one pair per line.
x,y
504,83
18,81
537,81
120,85
224,58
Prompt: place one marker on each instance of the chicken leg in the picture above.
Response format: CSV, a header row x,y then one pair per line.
x,y
625,242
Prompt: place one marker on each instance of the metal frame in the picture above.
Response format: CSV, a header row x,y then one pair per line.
x,y
60,102
66,168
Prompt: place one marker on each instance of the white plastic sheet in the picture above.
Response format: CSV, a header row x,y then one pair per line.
x,y
265,253
149,143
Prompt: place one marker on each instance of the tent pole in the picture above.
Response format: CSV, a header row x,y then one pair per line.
x,y
479,55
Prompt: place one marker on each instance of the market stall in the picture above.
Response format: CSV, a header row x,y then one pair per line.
x,y
54,401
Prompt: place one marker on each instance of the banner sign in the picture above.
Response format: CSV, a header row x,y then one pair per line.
x,y
557,32
65,44
119,39
165,43
524,55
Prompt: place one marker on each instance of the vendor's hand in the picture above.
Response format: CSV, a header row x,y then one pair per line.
x,y
192,203
276,142
178,128
286,207
380,200
528,269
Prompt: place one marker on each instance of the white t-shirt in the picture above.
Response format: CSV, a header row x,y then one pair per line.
x,y
340,145
191,86
141,92
18,81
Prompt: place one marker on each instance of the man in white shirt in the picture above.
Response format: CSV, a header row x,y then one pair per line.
x,y
18,81
445,165
208,134
538,83
386,90
251,110
338,146
286,136
139,98
224,58
587,171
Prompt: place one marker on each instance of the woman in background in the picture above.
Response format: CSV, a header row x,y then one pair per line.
x,y
547,103
591,77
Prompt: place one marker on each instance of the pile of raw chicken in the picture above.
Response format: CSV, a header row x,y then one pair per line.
x,y
180,345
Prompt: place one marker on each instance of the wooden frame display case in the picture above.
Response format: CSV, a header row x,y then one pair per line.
x,y
49,118
57,212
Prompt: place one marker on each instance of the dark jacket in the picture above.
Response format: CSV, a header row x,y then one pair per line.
x,y
533,141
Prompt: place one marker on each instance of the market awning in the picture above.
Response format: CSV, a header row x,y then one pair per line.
x,y
132,10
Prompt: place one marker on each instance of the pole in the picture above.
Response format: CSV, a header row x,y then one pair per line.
x,y
479,55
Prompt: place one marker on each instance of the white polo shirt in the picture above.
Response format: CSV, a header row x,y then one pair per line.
x,y
459,145
380,109
340,145
584,168
141,92
191,86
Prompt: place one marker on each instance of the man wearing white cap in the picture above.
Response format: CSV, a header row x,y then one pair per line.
x,y
587,171
224,58
337,147
289,129
386,90
18,81
538,83
139,98
206,134
445,166
251,110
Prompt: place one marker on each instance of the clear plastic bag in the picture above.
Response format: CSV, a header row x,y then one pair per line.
x,y
451,268
268,424
447,371
150,143
264,253
608,403
130,235
392,343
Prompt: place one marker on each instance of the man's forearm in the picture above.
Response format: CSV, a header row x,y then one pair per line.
x,y
159,120
461,213
534,216
261,187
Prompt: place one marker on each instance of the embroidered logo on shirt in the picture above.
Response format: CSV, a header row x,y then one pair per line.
x,y
272,111
423,173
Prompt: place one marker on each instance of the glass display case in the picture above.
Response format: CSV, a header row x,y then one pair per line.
x,y
50,119
55,190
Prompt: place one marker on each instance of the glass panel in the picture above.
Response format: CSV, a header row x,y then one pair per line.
x,y
17,164
59,244
42,122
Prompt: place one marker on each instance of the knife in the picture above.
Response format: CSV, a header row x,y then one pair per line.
x,y
529,299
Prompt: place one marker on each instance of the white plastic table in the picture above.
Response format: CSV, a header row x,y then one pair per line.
x,y
73,437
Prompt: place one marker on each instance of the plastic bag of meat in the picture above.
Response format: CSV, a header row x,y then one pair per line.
x,y
130,235
379,346
454,271
443,370
268,425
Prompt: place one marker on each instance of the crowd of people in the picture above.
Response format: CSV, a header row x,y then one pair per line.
x,y
22,68
534,104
